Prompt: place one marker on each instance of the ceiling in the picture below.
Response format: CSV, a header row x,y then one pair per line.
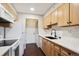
x,y
40,8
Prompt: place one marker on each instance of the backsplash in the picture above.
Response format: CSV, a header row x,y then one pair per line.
x,y
2,31
72,31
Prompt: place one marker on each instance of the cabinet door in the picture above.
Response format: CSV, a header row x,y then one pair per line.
x,y
48,19
74,13
57,50
63,15
43,45
48,48
54,17
57,53
52,49
45,23
66,52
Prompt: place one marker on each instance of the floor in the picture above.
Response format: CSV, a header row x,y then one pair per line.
x,y
33,50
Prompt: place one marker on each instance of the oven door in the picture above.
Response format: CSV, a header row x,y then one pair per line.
x,y
15,49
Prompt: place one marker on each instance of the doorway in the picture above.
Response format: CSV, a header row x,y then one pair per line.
x,y
31,30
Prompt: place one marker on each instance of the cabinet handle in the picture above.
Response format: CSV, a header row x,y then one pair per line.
x,y
69,53
70,22
58,54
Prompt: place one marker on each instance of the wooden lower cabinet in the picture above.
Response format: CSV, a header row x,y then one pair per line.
x,y
57,53
57,50
46,47
43,45
66,52
53,49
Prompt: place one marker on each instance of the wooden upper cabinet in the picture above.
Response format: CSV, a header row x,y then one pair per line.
x,y
74,13
47,20
10,9
54,17
63,15
44,22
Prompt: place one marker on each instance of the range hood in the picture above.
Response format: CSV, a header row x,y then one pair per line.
x,y
2,20
5,16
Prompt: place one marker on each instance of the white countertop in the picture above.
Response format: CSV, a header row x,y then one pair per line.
x,y
67,42
3,50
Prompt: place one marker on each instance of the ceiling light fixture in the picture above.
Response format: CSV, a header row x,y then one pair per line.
x,y
32,9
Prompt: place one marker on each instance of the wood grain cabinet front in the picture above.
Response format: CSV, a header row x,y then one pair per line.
x,y
48,48
47,20
54,17
57,50
53,49
66,52
74,13
43,45
63,15
68,14
44,23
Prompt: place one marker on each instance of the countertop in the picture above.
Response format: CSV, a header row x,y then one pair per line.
x,y
3,50
67,42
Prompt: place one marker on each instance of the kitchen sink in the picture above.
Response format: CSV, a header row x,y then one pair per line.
x,y
7,42
50,37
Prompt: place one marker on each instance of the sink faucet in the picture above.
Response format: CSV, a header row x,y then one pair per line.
x,y
54,32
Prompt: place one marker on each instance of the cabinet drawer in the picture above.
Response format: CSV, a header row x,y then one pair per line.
x,y
65,52
57,48
74,54
57,53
